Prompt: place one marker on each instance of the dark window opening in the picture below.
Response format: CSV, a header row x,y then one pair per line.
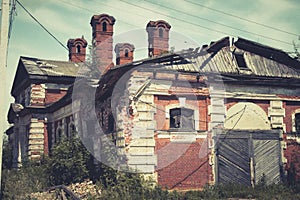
x,y
72,130
297,123
59,135
126,53
182,119
239,57
102,118
78,49
104,26
161,32
111,123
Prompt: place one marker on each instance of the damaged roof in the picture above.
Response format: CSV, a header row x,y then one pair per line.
x,y
244,57
241,60
36,66
31,70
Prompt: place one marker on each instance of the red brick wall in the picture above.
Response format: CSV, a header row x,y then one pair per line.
x,y
53,96
189,171
46,141
290,108
162,102
292,154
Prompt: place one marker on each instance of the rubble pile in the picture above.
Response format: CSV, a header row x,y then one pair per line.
x,y
85,189
82,190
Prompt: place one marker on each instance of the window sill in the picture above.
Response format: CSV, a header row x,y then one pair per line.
x,y
191,134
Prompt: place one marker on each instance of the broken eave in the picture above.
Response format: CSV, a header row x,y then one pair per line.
x,y
260,80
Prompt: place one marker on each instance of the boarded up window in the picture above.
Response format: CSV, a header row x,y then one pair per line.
x,y
182,119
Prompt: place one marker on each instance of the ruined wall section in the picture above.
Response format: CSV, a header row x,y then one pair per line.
x,y
139,125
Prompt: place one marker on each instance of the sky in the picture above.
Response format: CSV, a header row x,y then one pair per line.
x,y
194,23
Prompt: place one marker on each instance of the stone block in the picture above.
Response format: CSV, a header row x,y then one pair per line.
x,y
144,116
36,130
277,120
148,169
276,112
36,142
142,160
141,151
37,125
276,104
35,147
142,143
142,132
36,136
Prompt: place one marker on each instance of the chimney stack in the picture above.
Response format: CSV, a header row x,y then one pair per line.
x,y
124,53
158,37
102,28
77,49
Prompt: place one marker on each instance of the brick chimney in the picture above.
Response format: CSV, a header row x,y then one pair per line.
x,y
102,27
124,53
158,37
77,49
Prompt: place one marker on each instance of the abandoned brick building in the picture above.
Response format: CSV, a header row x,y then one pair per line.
x,y
224,112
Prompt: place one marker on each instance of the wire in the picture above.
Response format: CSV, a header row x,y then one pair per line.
x,y
225,25
173,17
94,11
238,17
11,18
112,7
43,27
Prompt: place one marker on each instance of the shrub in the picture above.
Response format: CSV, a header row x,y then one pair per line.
x,y
69,162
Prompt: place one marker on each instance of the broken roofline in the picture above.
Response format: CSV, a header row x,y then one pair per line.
x,y
185,56
34,70
244,44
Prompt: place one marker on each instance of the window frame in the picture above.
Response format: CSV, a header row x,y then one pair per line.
x,y
182,126
196,116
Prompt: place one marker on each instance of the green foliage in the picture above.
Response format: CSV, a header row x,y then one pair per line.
x,y
18,183
6,155
70,162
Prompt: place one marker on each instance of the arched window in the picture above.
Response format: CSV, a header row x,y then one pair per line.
x,y
78,48
161,32
58,134
104,26
111,123
126,53
182,118
72,129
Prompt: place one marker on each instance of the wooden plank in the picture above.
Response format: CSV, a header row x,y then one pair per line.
x,y
267,161
233,161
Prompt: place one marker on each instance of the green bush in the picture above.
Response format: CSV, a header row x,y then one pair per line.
x,y
69,162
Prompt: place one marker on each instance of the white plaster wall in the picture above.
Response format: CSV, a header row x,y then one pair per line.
x,y
245,116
